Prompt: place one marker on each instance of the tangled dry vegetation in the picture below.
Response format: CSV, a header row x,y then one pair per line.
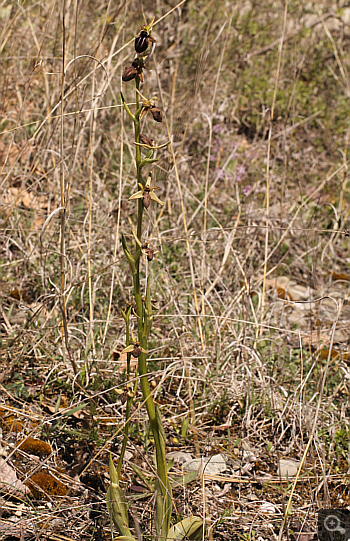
x,y
250,349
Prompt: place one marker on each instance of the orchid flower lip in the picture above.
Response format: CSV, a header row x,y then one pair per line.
x,y
146,193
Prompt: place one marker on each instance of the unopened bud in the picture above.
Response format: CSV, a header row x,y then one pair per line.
x,y
129,74
157,114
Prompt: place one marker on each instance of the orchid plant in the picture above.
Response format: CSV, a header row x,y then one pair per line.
x,y
141,308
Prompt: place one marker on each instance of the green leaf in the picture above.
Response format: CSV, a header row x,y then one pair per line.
x,y
150,154
74,410
127,108
142,496
112,471
126,315
143,478
148,161
163,511
184,427
161,431
128,255
57,407
159,510
183,480
116,503
170,464
190,527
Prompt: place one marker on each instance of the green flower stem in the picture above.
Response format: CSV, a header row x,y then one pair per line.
x,y
138,162
136,277
143,339
116,501
144,325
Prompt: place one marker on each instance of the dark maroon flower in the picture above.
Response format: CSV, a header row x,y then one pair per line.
x,y
136,351
157,114
141,42
146,140
129,74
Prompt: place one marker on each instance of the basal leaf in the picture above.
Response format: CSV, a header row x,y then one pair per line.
x,y
143,478
183,480
116,503
189,528
74,410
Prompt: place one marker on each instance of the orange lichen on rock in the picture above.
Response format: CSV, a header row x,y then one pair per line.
x,y
340,276
345,355
42,484
10,424
35,447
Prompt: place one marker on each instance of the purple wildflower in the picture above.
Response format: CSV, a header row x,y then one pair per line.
x,y
220,174
216,145
217,128
240,172
247,189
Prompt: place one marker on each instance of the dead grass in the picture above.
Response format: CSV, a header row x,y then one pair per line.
x,y
250,341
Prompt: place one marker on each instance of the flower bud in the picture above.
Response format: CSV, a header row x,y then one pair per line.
x,y
157,114
146,140
141,42
129,73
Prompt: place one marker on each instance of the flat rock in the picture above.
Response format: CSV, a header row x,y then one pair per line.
x,y
288,467
179,457
9,482
210,465
267,507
